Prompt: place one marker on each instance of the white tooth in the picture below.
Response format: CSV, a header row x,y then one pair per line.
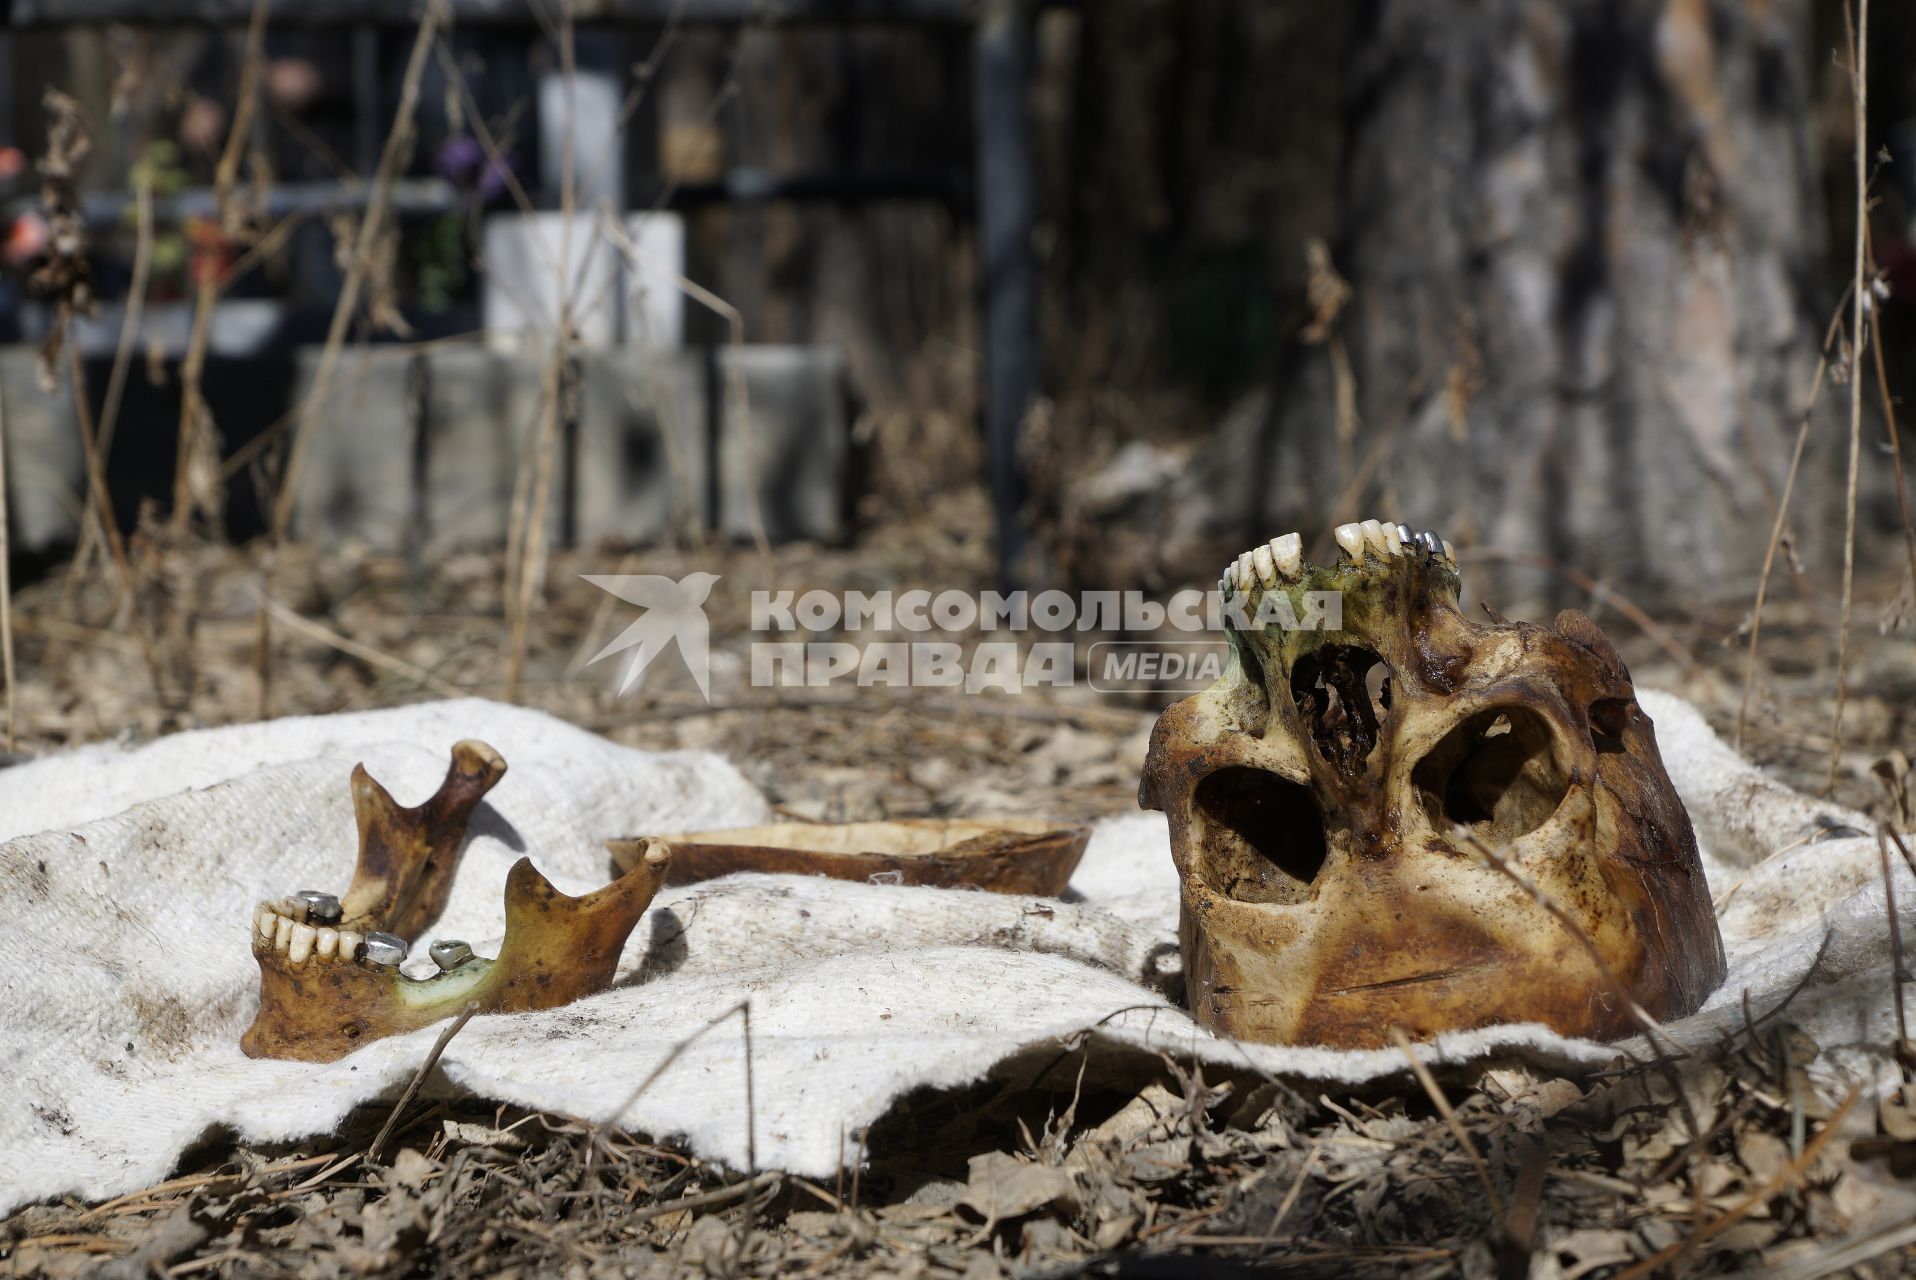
x,y
282,933
1241,572
349,943
1351,538
1393,540
326,946
302,943
1261,561
1374,538
263,921
1288,551
1450,552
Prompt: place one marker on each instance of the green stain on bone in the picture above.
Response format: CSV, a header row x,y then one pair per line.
x,y
450,987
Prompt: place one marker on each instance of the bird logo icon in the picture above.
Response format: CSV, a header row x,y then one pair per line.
x,y
674,615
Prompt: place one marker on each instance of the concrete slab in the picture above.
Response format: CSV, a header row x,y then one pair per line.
x,y
357,480
788,445
642,466
46,466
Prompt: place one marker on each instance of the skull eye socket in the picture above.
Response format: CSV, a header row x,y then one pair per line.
x,y
1261,837
1608,719
1496,775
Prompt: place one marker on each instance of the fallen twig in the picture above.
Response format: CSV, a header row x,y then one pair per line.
x,y
1787,1176
1457,1131
418,1078
365,653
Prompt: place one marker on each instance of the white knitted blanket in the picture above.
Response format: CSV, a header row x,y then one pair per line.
x,y
129,875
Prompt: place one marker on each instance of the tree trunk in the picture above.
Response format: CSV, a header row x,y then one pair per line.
x,y
1584,247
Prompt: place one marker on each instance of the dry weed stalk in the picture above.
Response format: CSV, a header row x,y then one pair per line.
x,y
1456,1124
1601,593
1788,1176
1782,517
418,1077
528,517
397,147
196,468
90,529
6,581
526,550
364,652
1859,316
1652,1030
1895,438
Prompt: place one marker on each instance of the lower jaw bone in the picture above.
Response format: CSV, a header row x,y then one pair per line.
x,y
325,992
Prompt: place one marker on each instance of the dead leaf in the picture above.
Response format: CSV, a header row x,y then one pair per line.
x,y
1001,1186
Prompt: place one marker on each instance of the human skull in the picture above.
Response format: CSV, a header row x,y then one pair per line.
x,y
1369,819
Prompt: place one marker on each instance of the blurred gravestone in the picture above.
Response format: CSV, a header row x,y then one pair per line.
x,y
530,264
46,469
357,478
481,411
435,443
642,467
787,448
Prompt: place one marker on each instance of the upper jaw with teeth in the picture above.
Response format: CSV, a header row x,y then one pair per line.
x,y
1365,544
329,966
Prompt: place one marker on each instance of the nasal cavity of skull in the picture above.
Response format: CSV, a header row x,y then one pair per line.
x,y
1343,692
1496,775
1261,837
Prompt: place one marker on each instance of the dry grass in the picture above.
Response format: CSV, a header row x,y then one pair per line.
x,y
1157,1173
1152,1169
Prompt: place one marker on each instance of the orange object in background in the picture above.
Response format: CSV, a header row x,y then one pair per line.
x,y
209,251
26,240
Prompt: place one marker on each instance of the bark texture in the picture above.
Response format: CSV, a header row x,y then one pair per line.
x,y
1583,242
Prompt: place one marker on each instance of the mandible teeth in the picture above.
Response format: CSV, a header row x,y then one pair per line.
x,y
282,933
1407,536
1262,563
265,922
1351,538
1241,572
385,948
449,952
349,944
1374,538
320,906
326,946
1432,544
1394,539
1450,552
1287,551
301,946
